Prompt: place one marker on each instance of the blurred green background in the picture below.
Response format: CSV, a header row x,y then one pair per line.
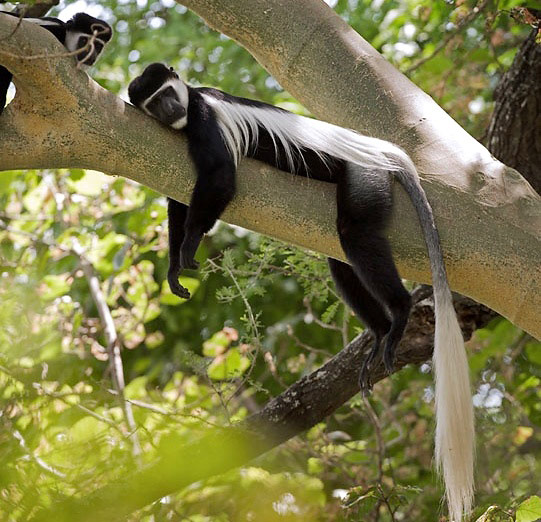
x,y
263,314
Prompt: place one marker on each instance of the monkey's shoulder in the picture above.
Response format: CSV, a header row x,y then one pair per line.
x,y
224,97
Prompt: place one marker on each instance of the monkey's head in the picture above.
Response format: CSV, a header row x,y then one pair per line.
x,y
161,94
88,34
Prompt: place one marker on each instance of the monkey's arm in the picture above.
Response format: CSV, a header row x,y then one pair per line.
x,y
176,217
213,191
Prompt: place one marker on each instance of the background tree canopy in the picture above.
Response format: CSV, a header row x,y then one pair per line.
x,y
80,251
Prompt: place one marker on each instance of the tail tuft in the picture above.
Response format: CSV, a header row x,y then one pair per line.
x,y
454,411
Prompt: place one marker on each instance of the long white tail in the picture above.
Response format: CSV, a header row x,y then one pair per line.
x,y
455,433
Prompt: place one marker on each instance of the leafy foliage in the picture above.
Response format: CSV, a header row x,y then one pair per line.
x,y
263,315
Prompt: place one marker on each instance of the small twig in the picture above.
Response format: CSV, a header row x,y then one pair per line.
x,y
386,502
21,17
345,327
165,413
304,345
379,437
62,397
280,270
463,23
39,461
113,344
308,305
253,321
35,9
380,445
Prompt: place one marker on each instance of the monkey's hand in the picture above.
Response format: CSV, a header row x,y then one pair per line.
x,y
176,287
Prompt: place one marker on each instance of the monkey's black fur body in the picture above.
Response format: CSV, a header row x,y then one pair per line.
x,y
370,284
222,128
73,34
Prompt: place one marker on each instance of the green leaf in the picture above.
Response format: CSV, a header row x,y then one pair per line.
x,y
54,286
154,339
136,389
102,255
50,350
5,180
233,364
329,314
217,344
315,466
529,510
87,428
76,174
438,64
151,311
533,352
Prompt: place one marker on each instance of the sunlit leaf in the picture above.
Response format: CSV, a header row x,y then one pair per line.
x,y
6,178
92,183
54,286
232,364
529,510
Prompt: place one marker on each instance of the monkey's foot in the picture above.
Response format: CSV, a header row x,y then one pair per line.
x,y
187,261
388,361
365,383
176,287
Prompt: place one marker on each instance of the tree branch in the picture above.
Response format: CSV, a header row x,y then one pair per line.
x,y
36,9
513,134
61,118
113,344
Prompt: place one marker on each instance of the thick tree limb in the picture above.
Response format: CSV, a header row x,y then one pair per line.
x,y
514,135
61,118
37,9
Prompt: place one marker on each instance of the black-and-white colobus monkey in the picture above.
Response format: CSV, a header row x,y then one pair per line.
x,y
222,128
74,34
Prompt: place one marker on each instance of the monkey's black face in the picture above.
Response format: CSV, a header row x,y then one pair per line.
x,y
161,94
88,34
166,107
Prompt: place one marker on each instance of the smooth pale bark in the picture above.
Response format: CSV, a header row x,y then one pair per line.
x,y
488,216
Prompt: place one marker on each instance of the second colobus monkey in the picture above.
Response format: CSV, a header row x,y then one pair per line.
x,y
74,34
222,128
